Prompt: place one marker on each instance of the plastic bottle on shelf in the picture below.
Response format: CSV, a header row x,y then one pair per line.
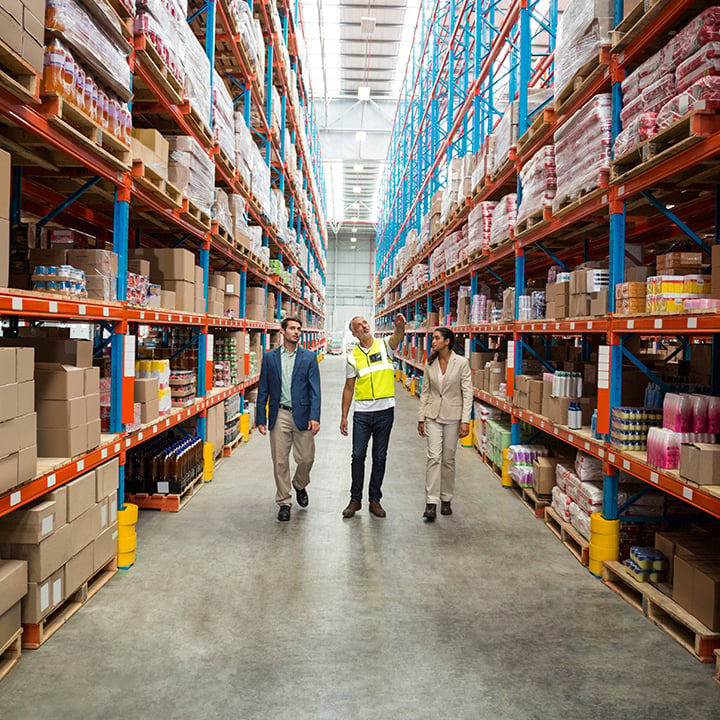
x,y
54,68
574,416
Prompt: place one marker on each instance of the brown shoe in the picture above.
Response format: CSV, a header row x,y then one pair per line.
x,y
377,509
352,508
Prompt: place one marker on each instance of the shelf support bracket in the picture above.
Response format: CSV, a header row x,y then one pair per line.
x,y
496,276
676,220
641,365
538,357
631,501
552,256
65,204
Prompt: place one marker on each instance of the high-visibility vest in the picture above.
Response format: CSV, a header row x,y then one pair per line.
x,y
375,374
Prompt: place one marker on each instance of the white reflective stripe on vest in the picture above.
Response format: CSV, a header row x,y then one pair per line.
x,y
375,367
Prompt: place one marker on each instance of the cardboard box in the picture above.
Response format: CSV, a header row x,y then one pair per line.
x,y
599,303
79,568
167,299
9,439
255,296
30,524
149,411
138,265
27,463
26,427
232,282
61,413
43,596
106,479
218,309
535,396
544,475
84,529
62,442
9,471
26,397
8,401
92,407
479,359
43,558
232,303
94,262
91,381
683,572
13,583
80,495
59,382
8,364
173,264
579,306
706,594
77,353
105,546
10,622
25,364
184,294
146,389
255,312
94,434
700,463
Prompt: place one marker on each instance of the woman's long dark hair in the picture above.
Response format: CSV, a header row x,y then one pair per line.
x,y
447,334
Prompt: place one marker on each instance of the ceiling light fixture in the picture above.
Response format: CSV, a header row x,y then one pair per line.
x,y
357,189
361,136
353,239
358,168
367,26
363,93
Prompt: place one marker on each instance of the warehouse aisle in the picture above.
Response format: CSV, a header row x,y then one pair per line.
x,y
231,614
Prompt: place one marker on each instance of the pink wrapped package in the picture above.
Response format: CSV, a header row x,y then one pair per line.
x,y
704,29
699,413
677,412
713,425
539,182
561,503
663,448
702,95
642,128
705,61
651,99
504,219
692,304
645,75
480,225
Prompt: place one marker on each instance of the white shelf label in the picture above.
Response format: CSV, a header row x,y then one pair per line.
x,y
556,431
129,365
210,345
51,480
688,493
15,498
82,310
511,355
140,436
52,307
654,478
590,324
142,315
544,326
103,453
587,445
117,447
658,324
621,191
128,443
572,325
80,465
17,303
106,312
157,316
611,457
601,453
571,438
692,322
626,464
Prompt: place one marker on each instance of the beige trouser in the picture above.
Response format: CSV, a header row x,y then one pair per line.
x,y
283,436
442,442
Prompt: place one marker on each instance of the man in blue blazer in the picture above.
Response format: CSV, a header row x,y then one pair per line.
x,y
290,378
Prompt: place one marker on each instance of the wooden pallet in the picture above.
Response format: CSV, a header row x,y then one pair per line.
x,y
77,124
696,638
505,167
35,635
569,536
586,75
17,76
10,653
125,17
527,224
541,124
202,131
229,449
530,499
222,233
155,183
148,56
568,204
190,211
667,143
167,503
225,163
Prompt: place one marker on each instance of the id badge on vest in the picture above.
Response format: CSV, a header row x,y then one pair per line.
x,y
375,357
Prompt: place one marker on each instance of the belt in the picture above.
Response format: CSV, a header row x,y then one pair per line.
x,y
285,407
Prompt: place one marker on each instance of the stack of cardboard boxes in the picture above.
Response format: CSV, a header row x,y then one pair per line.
x,y
22,29
147,395
151,148
231,297
101,271
557,300
528,393
18,421
174,270
13,588
216,294
257,305
64,538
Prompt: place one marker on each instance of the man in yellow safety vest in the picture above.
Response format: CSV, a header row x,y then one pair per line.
x,y
369,378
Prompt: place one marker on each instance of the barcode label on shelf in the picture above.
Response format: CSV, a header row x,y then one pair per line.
x,y
15,498
17,303
51,480
654,478
52,307
140,436
80,465
626,464
163,487
571,438
692,322
587,445
103,453
601,453
128,443
572,325
82,310
590,324
658,324
611,457
117,447
106,312
688,493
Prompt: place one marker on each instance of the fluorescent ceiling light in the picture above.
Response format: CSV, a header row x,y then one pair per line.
x,y
354,219
353,239
357,190
358,168
367,26
363,93
361,136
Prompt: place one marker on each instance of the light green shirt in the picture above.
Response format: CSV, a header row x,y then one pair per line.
x,y
287,363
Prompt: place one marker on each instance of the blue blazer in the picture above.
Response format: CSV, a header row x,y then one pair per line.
x,y
304,390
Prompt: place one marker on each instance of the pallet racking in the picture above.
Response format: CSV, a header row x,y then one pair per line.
x,y
64,173
478,49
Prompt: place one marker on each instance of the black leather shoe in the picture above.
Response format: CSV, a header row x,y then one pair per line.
x,y
430,512
302,497
284,513
445,508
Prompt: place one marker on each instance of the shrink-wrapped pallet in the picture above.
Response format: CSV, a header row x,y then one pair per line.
x,y
503,219
480,225
192,171
642,128
704,63
539,183
703,95
224,121
197,74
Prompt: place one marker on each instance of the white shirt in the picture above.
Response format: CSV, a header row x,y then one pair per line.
x,y
370,405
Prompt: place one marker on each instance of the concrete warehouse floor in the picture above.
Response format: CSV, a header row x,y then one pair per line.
x,y
228,613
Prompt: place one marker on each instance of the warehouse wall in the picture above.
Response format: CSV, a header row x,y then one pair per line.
x,y
350,274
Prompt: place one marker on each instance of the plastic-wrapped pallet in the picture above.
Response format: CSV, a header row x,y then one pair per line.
x,y
452,185
588,468
503,219
704,29
260,180
224,121
539,182
480,225
192,171
160,21
589,497
705,62
197,72
642,128
561,503
580,520
221,211
645,75
505,134
582,150
582,29
704,94
650,100
437,262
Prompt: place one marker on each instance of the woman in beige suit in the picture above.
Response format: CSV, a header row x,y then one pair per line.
x,y
444,416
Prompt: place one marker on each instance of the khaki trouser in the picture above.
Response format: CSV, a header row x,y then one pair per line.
x,y
442,441
283,436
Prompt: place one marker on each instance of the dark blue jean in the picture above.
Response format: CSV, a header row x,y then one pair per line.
x,y
366,425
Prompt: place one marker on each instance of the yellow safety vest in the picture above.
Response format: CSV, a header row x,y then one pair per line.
x,y
375,375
